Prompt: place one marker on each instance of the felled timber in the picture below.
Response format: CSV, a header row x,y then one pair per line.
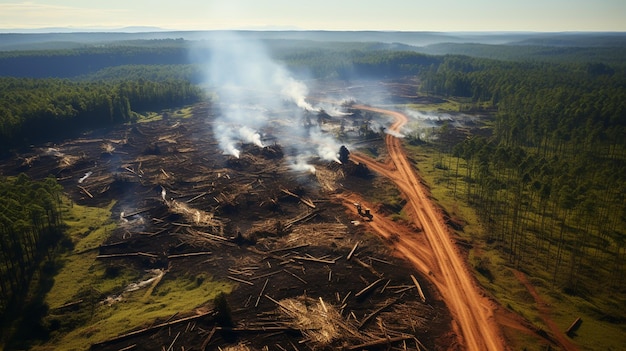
x,y
288,248
239,280
190,254
128,255
130,214
151,328
313,259
376,312
85,191
368,288
574,326
352,251
69,304
261,293
419,288
381,341
369,267
307,202
206,341
302,218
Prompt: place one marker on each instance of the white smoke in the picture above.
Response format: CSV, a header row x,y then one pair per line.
x,y
250,136
327,147
335,112
258,95
394,133
300,164
295,91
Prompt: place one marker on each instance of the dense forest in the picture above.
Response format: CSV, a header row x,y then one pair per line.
x,y
39,110
31,227
548,179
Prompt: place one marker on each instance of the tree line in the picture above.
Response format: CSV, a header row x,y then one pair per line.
x,y
30,229
38,110
76,62
549,181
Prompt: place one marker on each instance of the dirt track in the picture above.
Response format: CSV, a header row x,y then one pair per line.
x,y
472,311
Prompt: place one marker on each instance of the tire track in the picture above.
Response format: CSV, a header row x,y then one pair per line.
x,y
470,309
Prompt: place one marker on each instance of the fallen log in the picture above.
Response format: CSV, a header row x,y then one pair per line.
x,y
146,330
313,259
261,293
368,288
126,215
174,341
302,218
288,248
419,288
369,267
295,313
206,341
574,326
270,255
352,251
307,202
69,304
376,312
196,197
265,275
239,280
128,255
133,172
379,260
208,235
259,329
381,341
190,254
85,191
295,276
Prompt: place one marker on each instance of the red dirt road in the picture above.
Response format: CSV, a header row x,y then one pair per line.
x,y
472,312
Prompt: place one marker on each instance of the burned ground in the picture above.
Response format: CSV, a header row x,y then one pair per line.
x,y
308,274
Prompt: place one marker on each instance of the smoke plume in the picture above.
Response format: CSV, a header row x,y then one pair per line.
x,y
257,96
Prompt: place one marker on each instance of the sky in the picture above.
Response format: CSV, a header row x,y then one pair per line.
x,y
387,15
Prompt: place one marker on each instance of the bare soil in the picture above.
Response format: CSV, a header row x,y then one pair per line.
x,y
290,242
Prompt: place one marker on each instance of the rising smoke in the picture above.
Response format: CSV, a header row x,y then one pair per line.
x,y
258,96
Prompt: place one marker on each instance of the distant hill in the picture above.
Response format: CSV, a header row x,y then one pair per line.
x,y
25,40
67,55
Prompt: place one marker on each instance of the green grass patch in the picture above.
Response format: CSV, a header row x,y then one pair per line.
x,y
446,106
87,227
593,333
103,322
82,277
150,116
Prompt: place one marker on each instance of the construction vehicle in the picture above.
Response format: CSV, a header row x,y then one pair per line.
x,y
363,212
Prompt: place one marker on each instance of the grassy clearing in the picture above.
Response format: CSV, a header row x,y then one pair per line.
x,y
184,112
447,106
87,227
136,310
82,277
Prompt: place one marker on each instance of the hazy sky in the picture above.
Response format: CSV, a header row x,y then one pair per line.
x,y
402,15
